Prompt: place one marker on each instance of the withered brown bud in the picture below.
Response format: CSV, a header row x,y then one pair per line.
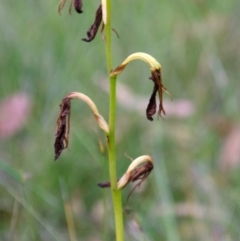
x,y
91,33
63,125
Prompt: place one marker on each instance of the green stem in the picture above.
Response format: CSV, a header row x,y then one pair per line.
x,y
116,195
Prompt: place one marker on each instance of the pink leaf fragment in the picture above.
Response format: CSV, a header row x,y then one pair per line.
x,y
230,151
14,113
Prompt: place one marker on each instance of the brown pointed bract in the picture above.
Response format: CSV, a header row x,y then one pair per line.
x,y
63,124
158,88
152,106
91,33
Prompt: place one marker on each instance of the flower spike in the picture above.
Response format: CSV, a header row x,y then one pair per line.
x,y
136,171
156,77
63,121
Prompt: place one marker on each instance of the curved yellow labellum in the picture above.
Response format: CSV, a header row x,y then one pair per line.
x,y
101,121
153,63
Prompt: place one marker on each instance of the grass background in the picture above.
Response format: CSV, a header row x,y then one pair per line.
x,y
190,195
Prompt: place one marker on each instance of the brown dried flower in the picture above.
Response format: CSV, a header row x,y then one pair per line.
x,y
91,33
156,77
63,121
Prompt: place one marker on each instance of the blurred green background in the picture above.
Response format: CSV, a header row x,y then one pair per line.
x,y
193,192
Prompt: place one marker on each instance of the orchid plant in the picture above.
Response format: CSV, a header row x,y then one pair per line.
x,y
141,167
